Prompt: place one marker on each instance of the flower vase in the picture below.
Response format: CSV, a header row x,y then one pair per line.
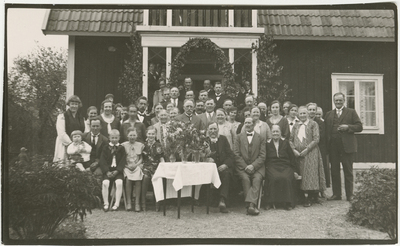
x,y
196,156
183,156
172,158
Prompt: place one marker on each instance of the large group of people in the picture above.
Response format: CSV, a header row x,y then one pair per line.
x,y
279,151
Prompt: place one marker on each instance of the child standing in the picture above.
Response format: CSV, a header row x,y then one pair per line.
x,y
112,163
133,169
79,151
153,155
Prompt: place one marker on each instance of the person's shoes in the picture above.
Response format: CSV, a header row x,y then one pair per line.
x,y
252,210
222,206
114,208
105,207
197,203
268,207
350,198
137,207
334,197
322,194
307,202
287,207
157,206
128,207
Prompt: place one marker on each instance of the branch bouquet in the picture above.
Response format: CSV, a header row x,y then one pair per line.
x,y
185,140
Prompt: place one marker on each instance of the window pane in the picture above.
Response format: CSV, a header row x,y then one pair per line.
x,y
368,118
368,88
350,102
347,88
369,104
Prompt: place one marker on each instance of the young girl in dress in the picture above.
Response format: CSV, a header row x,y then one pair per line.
x,y
79,151
153,155
133,169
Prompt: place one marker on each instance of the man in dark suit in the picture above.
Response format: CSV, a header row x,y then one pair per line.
x,y
209,115
142,115
97,141
208,88
188,115
219,97
243,94
152,82
250,153
312,110
223,156
175,99
166,92
341,123
187,86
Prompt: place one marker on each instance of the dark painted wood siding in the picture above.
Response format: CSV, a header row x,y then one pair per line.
x,y
308,66
97,69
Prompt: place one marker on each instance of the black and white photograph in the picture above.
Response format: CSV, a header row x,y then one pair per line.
x,y
200,124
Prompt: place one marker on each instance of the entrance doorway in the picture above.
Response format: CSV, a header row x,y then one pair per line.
x,y
200,66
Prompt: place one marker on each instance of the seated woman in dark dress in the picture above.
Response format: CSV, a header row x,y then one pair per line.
x,y
280,172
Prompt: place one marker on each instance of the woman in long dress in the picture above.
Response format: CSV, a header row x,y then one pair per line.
x,y
277,119
66,123
280,172
304,142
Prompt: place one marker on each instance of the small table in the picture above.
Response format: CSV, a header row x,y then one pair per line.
x,y
184,175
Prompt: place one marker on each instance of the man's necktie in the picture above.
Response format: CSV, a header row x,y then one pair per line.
x,y
339,112
249,134
93,140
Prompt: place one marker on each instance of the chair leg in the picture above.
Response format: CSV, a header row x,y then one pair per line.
x,y
260,195
112,193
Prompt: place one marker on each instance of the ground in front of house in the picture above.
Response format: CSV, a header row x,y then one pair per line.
x,y
326,221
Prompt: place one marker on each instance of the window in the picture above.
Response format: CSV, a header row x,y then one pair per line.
x,y
364,93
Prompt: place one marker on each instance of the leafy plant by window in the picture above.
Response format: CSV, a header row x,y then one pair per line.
x,y
269,86
375,203
42,196
131,80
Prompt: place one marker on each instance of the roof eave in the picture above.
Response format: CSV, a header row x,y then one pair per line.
x,y
74,33
353,39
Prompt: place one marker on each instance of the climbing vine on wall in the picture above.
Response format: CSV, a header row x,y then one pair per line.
x,y
130,81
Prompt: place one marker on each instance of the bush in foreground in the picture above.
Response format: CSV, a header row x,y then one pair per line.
x,y
42,196
374,204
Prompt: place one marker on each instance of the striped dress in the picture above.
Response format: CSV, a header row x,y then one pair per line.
x,y
311,166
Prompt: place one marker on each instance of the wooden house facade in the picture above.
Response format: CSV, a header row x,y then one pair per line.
x,y
321,51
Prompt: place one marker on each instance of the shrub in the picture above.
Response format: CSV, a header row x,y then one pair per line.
x,y
374,204
41,196
70,229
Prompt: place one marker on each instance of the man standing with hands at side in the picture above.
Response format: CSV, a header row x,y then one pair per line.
x,y
341,123
250,153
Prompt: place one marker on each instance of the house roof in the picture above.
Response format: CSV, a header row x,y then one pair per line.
x,y
115,21
293,24
328,23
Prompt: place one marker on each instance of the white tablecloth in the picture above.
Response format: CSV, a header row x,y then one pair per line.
x,y
182,176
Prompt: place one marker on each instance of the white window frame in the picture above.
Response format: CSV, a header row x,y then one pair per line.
x,y
378,78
